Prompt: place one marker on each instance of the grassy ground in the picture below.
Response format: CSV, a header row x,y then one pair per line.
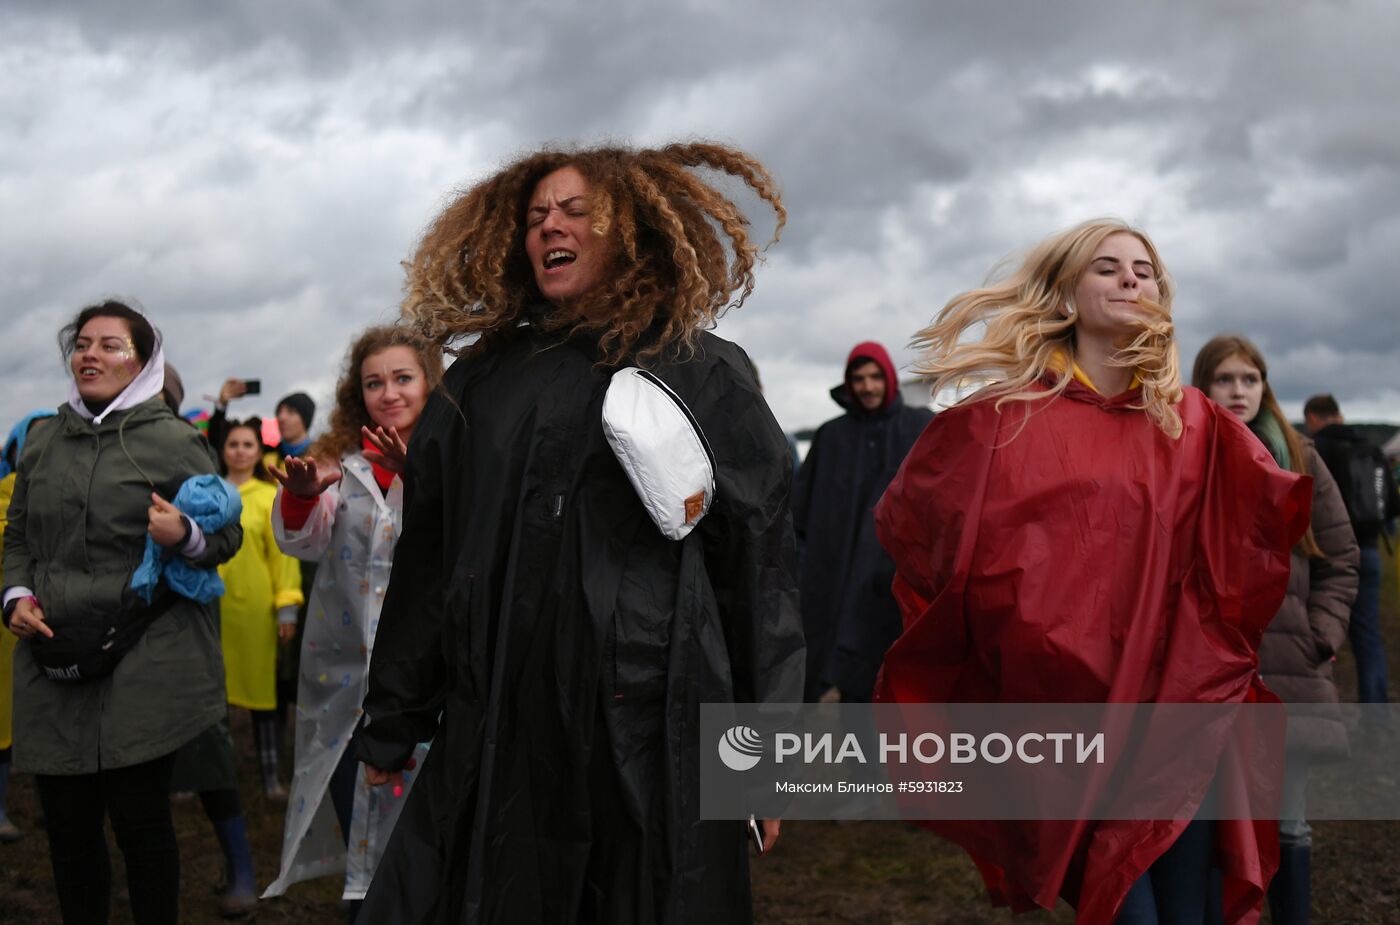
x,y
874,873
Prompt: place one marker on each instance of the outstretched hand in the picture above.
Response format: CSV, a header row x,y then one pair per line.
x,y
306,478
392,451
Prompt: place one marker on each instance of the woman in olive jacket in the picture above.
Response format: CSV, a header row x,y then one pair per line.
x,y
93,483
1295,657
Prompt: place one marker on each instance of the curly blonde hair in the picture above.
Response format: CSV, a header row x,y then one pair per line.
x,y
1027,332
666,227
350,413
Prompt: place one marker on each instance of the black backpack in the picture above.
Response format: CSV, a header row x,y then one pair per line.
x,y
1369,487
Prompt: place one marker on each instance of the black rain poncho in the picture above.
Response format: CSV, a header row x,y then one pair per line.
x,y
558,647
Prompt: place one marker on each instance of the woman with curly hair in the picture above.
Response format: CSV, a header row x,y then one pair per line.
x,y
1084,529
540,624
341,505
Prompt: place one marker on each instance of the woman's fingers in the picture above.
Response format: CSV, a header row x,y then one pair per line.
x,y
771,828
387,442
390,452
376,777
28,620
304,477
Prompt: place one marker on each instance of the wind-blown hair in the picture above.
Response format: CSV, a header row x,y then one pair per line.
x,y
680,250
350,412
1221,348
1027,332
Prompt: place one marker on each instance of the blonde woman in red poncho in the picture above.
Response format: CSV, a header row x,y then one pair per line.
x,y
1086,530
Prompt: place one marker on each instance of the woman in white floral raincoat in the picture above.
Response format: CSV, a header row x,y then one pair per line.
x,y
342,506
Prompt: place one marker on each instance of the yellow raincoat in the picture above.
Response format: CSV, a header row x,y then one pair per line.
x,y
259,581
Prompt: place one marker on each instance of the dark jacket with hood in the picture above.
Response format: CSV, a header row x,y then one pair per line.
x,y
849,616
77,532
556,648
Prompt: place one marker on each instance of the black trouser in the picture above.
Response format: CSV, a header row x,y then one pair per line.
x,y
137,799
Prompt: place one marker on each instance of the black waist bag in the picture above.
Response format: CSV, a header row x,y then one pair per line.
x,y
88,648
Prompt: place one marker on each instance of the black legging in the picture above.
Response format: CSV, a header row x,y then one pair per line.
x,y
137,798
221,805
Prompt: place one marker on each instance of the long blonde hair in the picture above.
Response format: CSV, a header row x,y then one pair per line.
x,y
682,248
1028,334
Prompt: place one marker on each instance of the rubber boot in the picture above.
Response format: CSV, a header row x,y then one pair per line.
x,y
241,895
8,832
1290,893
265,733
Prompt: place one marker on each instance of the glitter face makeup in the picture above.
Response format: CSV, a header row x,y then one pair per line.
x,y
104,359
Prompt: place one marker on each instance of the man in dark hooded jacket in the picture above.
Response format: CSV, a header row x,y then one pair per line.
x,y
848,613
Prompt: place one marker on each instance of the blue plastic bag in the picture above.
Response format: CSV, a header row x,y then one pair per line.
x,y
210,502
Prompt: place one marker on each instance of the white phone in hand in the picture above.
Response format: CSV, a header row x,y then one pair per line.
x,y
756,834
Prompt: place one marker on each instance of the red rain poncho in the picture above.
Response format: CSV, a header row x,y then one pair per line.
x,y
1087,557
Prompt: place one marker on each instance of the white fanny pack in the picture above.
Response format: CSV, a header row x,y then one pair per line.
x,y
662,449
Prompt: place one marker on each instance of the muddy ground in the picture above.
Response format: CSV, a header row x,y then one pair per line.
x,y
874,873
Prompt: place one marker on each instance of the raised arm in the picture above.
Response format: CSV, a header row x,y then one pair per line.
x,y
303,523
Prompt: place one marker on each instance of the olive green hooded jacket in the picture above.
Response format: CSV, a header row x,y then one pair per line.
x,y
77,531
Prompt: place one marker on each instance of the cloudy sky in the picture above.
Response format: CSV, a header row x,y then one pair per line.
x,y
253,172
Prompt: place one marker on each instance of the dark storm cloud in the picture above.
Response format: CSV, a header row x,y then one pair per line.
x,y
255,171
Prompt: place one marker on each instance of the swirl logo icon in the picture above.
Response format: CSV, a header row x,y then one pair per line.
x,y
740,748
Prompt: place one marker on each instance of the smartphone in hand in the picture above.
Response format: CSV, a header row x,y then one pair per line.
x,y
252,386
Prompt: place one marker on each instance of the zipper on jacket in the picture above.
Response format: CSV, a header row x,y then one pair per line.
x,y
676,400
556,506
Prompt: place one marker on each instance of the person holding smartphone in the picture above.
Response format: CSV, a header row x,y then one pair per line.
x,y
295,413
540,626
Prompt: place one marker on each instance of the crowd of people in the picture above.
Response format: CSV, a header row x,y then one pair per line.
x,y
494,595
